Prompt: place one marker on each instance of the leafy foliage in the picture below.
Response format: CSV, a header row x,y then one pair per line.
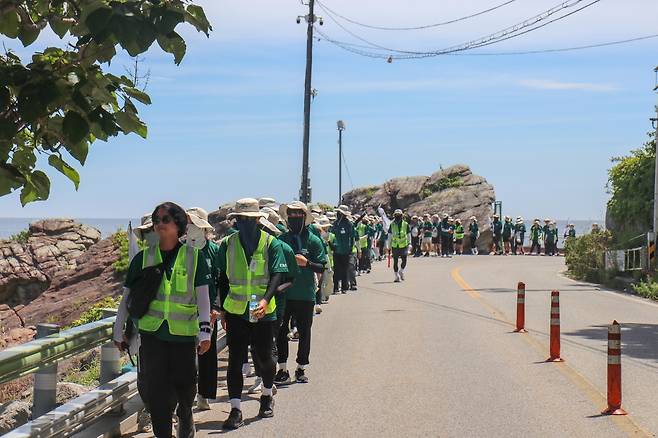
x,y
20,237
62,101
647,289
447,182
95,312
121,240
630,183
584,256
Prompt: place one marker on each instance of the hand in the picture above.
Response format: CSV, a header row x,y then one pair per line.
x,y
121,345
213,317
222,319
301,260
203,347
260,311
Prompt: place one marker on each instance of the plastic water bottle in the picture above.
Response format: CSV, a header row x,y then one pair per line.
x,y
253,305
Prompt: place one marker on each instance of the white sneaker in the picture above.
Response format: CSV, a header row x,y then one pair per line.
x,y
202,403
257,386
401,274
397,277
318,309
246,369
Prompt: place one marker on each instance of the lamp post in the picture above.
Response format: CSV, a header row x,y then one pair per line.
x,y
341,127
654,231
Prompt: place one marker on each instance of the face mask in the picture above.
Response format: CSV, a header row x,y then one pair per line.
x,y
152,238
398,218
296,224
249,231
196,237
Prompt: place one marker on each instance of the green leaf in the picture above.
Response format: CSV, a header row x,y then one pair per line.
x,y
24,158
75,127
4,97
197,18
65,169
10,23
138,94
7,129
58,25
5,147
36,188
79,151
167,20
97,21
174,44
10,179
28,34
131,123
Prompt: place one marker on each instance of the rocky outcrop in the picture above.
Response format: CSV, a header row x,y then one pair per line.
x,y
13,414
54,245
77,273
455,191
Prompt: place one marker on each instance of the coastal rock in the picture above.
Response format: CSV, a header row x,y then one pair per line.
x,y
455,191
13,414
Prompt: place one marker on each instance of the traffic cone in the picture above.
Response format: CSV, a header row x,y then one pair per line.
x,y
614,371
555,328
520,308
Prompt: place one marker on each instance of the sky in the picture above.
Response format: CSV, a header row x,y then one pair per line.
x,y
227,123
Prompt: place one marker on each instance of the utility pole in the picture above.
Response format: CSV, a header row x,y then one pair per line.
x,y
341,128
654,232
311,18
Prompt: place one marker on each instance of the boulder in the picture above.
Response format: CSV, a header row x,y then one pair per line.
x,y
455,191
67,391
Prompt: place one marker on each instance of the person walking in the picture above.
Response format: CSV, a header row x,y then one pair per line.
x,y
436,238
519,237
427,235
399,239
459,237
446,236
535,237
497,227
507,235
473,234
416,237
252,266
342,245
172,323
300,297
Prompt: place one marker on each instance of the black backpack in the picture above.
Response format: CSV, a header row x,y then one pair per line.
x,y
143,290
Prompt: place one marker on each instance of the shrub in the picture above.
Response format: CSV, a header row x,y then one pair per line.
x,y
121,240
584,256
95,312
20,237
648,289
447,182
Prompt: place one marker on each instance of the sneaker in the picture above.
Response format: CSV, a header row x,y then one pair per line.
x,y
300,377
253,389
282,377
295,334
343,291
353,288
368,271
266,406
402,275
144,421
318,309
397,277
202,403
274,390
234,420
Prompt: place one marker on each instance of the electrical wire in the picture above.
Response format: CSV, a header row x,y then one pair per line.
x,y
502,35
349,175
427,26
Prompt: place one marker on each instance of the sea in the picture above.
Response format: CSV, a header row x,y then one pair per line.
x,y
108,226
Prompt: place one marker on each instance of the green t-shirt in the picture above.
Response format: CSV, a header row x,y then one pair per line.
x,y
281,227
210,252
427,229
310,246
293,271
277,265
343,236
202,277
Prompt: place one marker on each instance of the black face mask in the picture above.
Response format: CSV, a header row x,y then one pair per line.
x,y
249,232
296,224
398,218
339,216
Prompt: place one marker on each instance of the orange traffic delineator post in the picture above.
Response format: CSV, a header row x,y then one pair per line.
x,y
520,308
555,328
614,371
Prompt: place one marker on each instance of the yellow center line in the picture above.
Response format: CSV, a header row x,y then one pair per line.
x,y
625,423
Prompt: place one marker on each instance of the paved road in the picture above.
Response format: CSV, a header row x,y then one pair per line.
x,y
435,356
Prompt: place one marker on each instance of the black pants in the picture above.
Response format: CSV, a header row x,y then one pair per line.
x,y
364,261
446,243
381,245
239,333
498,241
415,245
351,270
399,253
170,370
208,369
341,263
535,244
303,312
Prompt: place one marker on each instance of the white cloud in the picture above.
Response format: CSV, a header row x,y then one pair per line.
x,y
547,84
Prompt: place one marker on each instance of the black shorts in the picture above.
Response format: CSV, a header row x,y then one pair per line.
x,y
435,240
459,241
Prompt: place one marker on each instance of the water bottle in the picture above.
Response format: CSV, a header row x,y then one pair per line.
x,y
253,305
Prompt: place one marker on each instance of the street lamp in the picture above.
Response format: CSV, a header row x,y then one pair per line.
x,y
341,127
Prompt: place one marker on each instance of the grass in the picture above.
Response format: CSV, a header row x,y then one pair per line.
x,y
95,312
20,237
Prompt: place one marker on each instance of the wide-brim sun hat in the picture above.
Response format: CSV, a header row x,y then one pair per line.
x,y
397,211
146,224
272,215
296,205
444,216
199,217
323,222
270,226
246,207
344,209
267,202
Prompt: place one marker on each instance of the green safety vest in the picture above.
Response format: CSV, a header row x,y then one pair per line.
x,y
245,280
363,242
175,301
459,232
331,238
399,239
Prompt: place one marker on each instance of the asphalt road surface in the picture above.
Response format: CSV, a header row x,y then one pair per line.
x,y
435,356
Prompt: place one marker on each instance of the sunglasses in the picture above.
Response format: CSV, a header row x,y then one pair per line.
x,y
164,219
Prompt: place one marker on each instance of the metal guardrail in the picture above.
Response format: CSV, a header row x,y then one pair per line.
x,y
28,358
624,260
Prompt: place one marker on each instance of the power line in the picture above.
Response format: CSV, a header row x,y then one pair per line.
x,y
427,26
349,175
502,35
505,34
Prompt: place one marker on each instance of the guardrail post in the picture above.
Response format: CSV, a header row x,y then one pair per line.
x,y
44,397
110,356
